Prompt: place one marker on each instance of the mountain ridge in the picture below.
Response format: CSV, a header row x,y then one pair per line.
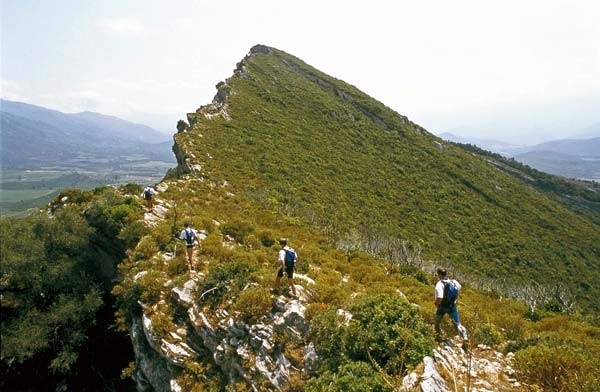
x,y
394,129
371,202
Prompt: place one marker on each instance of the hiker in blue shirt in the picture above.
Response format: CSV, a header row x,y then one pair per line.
x,y
446,296
189,235
287,257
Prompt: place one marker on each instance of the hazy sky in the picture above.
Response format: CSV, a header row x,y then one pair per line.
x,y
511,70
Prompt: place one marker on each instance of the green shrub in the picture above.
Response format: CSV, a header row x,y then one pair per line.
x,y
351,377
213,247
227,278
131,189
559,368
146,248
239,230
132,233
266,238
177,265
388,330
253,303
328,333
487,334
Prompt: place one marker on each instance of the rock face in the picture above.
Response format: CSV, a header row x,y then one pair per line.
x,y
477,369
241,350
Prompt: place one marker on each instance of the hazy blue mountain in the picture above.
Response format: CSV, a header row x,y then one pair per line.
x,y
576,147
85,123
43,151
32,136
497,146
560,164
572,158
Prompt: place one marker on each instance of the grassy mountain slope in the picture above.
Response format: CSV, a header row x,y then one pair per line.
x,y
303,142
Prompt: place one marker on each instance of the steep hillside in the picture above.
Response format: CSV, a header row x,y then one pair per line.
x,y
285,136
371,202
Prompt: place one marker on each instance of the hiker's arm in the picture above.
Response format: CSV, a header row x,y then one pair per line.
x,y
438,301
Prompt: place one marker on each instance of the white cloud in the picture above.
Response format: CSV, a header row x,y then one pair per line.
x,y
122,26
11,91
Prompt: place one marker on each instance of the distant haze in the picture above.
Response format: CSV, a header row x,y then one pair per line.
x,y
519,72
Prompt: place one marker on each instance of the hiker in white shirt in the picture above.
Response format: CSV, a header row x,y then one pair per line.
x,y
446,296
287,258
190,236
148,194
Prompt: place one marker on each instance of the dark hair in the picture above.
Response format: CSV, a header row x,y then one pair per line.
x,y
186,224
442,272
283,241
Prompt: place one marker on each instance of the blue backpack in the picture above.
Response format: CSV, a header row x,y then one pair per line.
x,y
450,294
190,236
290,258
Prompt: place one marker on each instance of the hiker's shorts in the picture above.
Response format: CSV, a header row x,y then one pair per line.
x,y
288,271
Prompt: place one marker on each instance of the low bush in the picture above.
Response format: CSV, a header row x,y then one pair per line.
x,y
131,234
351,377
253,303
487,334
559,368
388,330
227,278
239,230
146,248
266,238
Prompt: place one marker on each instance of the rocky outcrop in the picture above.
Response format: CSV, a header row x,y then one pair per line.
x,y
454,367
241,350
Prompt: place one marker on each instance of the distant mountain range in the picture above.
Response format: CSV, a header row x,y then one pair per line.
x,y
33,135
573,158
500,147
44,151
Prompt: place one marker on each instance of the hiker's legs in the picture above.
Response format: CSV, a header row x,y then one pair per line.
x,y
190,254
456,320
439,315
278,278
290,275
291,281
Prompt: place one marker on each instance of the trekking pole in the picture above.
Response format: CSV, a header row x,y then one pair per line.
x,y
469,370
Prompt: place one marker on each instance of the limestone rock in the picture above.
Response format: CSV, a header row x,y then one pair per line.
x,y
431,381
184,296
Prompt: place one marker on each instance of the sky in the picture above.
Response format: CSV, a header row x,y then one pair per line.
x,y
517,71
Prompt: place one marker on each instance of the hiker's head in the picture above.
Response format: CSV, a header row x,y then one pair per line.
x,y
186,224
442,273
283,241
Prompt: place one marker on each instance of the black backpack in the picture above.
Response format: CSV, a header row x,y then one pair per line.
x,y
290,258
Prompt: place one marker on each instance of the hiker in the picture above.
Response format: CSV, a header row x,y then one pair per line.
x,y
446,296
147,194
189,235
287,257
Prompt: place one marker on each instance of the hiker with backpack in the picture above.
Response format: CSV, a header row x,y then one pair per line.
x,y
446,296
147,195
287,257
189,235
